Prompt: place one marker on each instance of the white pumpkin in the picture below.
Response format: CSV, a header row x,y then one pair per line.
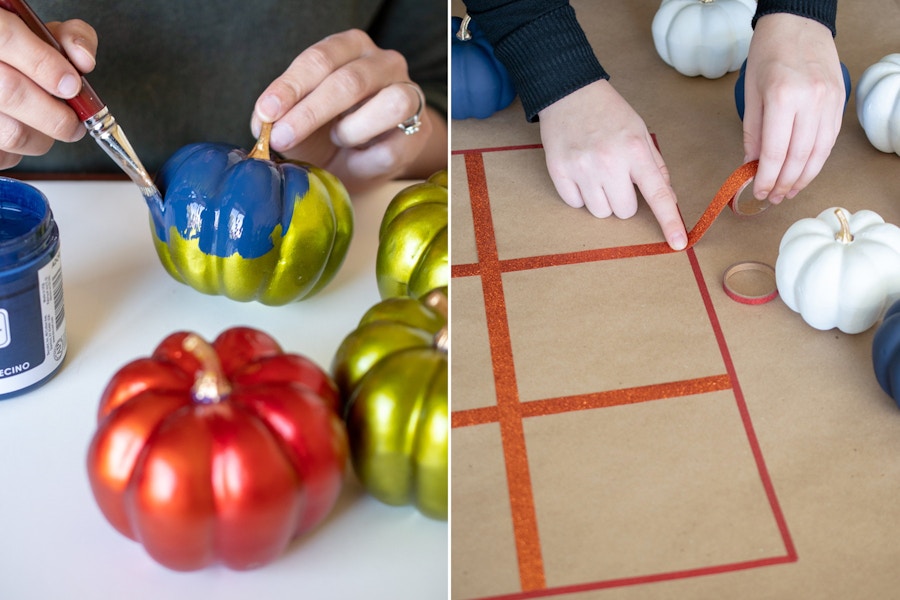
x,y
878,103
703,37
838,270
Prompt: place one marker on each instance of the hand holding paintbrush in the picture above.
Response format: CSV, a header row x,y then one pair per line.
x,y
36,69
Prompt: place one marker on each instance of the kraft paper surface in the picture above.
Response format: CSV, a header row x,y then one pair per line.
x,y
621,428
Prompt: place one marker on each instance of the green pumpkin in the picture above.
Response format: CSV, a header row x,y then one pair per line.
x,y
247,226
392,373
412,255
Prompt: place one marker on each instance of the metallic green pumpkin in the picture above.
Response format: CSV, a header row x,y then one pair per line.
x,y
412,255
249,227
392,373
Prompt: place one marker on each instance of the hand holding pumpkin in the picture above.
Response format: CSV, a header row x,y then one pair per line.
x,y
338,106
598,148
794,95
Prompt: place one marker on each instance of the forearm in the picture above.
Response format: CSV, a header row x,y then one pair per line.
x,y
542,45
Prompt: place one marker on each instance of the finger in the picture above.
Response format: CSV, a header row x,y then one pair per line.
x,y
803,139
17,138
620,196
596,200
310,69
343,90
752,125
22,100
565,185
79,42
825,140
385,158
8,160
777,125
652,179
381,113
24,51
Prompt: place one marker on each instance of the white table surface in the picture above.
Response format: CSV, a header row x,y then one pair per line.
x,y
120,303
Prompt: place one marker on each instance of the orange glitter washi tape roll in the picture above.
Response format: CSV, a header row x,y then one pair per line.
x,y
729,189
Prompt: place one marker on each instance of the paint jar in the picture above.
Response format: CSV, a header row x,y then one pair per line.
x,y
32,318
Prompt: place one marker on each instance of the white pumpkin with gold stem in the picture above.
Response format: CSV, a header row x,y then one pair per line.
x,y
840,269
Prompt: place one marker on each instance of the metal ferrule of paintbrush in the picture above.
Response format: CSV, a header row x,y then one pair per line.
x,y
103,128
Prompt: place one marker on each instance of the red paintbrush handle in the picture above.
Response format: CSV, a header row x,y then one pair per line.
x,y
86,104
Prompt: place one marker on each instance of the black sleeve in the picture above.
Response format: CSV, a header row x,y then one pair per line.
x,y
541,44
823,11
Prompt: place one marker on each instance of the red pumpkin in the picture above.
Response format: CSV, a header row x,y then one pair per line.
x,y
217,453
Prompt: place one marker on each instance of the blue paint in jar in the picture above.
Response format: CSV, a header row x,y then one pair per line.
x,y
32,316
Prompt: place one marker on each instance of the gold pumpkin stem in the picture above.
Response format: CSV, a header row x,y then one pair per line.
x,y
442,340
463,34
843,236
437,301
261,149
211,384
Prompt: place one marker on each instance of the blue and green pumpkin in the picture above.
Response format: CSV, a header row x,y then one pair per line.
x,y
249,227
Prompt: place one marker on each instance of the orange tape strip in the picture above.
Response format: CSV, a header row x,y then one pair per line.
x,y
512,432
732,185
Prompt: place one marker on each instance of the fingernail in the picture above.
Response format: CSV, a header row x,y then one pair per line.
x,y
776,199
335,137
68,86
792,194
678,241
269,108
762,195
81,44
282,136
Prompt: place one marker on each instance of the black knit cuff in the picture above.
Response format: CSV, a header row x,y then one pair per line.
x,y
823,11
549,59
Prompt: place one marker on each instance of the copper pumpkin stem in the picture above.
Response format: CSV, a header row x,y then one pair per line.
x,y
211,385
843,236
261,149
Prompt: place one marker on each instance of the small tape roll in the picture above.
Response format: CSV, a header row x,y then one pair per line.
x,y
745,204
750,282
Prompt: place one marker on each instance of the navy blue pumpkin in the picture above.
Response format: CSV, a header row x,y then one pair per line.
x,y
480,84
886,352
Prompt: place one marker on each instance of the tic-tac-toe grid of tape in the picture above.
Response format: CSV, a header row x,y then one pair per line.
x,y
556,489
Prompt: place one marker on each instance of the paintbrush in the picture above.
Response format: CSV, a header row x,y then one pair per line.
x,y
92,111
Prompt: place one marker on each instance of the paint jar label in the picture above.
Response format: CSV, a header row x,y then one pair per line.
x,y
32,329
